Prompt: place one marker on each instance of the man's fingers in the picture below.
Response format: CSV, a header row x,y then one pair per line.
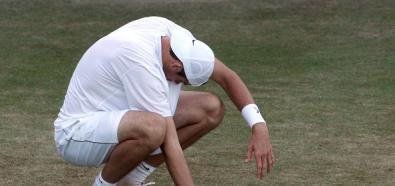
x,y
259,166
271,161
264,165
273,158
270,164
248,155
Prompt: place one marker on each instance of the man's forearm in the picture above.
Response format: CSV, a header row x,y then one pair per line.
x,y
174,157
232,84
238,92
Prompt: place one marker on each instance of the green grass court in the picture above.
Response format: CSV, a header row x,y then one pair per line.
x,y
322,71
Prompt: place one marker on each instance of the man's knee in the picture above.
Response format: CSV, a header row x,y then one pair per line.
x,y
215,110
146,127
155,130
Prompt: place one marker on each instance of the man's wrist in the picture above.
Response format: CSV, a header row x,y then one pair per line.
x,y
259,125
252,115
260,129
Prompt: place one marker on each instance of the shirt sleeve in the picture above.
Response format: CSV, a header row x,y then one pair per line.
x,y
146,91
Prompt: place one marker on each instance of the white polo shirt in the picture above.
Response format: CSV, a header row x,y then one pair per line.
x,y
123,70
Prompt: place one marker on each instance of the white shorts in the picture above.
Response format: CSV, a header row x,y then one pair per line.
x,y
89,140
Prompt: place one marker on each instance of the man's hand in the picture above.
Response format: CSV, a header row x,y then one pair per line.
x,y
259,144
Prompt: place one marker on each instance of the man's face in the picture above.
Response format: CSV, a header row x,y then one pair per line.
x,y
174,69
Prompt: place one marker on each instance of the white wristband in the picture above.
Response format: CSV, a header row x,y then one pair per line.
x,y
252,114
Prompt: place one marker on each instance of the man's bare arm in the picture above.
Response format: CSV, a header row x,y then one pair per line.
x,y
174,156
238,92
232,84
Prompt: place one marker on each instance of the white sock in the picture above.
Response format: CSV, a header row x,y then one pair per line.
x,y
138,174
99,181
156,152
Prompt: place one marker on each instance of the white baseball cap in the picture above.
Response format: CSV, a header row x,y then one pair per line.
x,y
196,57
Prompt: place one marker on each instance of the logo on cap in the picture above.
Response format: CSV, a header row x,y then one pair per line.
x,y
257,110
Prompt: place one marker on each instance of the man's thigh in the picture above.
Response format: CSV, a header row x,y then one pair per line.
x,y
90,139
138,124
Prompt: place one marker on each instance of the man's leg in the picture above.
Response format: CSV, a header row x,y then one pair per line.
x,y
197,114
139,133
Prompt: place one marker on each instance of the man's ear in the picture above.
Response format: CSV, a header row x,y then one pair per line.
x,y
176,65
